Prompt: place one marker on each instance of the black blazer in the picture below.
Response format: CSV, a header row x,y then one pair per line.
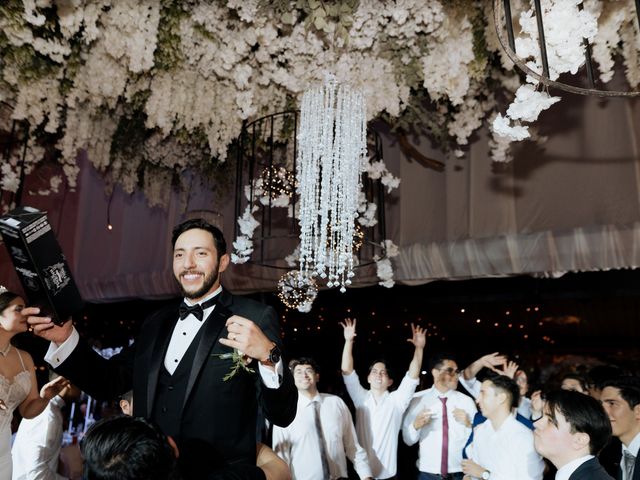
x,y
218,418
590,470
636,469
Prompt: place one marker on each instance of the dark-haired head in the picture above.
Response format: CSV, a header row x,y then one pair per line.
x,y
438,360
6,297
508,386
574,381
385,365
127,448
199,223
304,361
583,413
629,388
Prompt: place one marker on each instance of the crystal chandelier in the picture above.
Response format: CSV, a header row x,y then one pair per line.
x,y
331,150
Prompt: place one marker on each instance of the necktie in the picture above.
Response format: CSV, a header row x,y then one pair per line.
x,y
444,462
197,310
629,464
323,447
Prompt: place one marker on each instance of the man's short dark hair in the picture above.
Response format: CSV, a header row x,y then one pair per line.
x,y
629,387
583,413
438,360
386,366
304,361
199,223
127,448
508,386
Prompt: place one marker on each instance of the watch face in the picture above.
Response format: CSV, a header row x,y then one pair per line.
x,y
485,475
274,355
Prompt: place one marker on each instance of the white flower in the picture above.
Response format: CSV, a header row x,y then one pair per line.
x,y
384,270
390,248
502,127
529,103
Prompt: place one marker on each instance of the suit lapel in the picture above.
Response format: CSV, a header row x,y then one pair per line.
x,y
157,358
213,326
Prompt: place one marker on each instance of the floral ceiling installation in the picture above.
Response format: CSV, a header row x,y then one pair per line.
x,y
151,88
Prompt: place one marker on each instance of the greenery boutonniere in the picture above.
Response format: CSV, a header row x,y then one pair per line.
x,y
240,362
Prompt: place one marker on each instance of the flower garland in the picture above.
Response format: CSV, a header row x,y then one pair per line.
x,y
151,88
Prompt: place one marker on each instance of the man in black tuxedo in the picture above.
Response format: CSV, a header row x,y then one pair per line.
x,y
620,398
178,364
572,430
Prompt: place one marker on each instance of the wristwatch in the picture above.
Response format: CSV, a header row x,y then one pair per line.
x,y
486,475
274,355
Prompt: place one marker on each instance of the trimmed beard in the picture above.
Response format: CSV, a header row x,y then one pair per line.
x,y
207,284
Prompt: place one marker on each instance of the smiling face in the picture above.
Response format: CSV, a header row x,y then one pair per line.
x,y
306,379
195,264
11,319
379,377
625,421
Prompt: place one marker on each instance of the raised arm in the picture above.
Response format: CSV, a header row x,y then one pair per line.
x,y
419,340
490,361
349,327
36,401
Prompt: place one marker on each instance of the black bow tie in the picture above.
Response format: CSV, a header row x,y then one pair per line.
x,y
197,310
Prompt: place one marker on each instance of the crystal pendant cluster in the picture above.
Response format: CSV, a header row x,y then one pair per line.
x,y
331,154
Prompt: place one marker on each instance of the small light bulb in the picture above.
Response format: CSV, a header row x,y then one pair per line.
x,y
109,227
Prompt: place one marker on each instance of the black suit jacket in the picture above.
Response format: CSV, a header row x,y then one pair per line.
x,y
218,418
636,469
590,470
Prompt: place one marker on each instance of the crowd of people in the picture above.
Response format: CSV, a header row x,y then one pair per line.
x,y
204,376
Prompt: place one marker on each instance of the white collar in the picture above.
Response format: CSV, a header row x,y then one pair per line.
x,y
634,446
567,469
208,297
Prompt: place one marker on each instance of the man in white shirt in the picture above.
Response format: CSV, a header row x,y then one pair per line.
x,y
317,443
499,364
38,440
378,412
502,447
573,428
440,419
621,400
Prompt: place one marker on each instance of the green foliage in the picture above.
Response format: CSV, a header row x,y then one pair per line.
x,y
168,54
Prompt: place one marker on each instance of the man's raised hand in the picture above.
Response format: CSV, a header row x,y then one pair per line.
x,y
349,327
419,336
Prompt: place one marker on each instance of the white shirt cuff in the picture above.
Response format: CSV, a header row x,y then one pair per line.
x,y
56,354
270,378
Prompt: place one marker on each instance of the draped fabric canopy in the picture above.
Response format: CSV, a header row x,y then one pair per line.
x,y
569,204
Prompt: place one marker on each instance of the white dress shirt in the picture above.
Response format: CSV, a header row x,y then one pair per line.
x,y
430,436
633,449
567,470
379,421
508,453
473,387
183,334
298,444
37,445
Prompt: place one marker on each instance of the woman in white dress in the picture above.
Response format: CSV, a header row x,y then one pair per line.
x,y
18,386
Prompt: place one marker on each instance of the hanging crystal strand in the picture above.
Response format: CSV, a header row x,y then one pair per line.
x,y
331,149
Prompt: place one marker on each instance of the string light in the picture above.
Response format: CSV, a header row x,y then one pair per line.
x,y
297,290
278,181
